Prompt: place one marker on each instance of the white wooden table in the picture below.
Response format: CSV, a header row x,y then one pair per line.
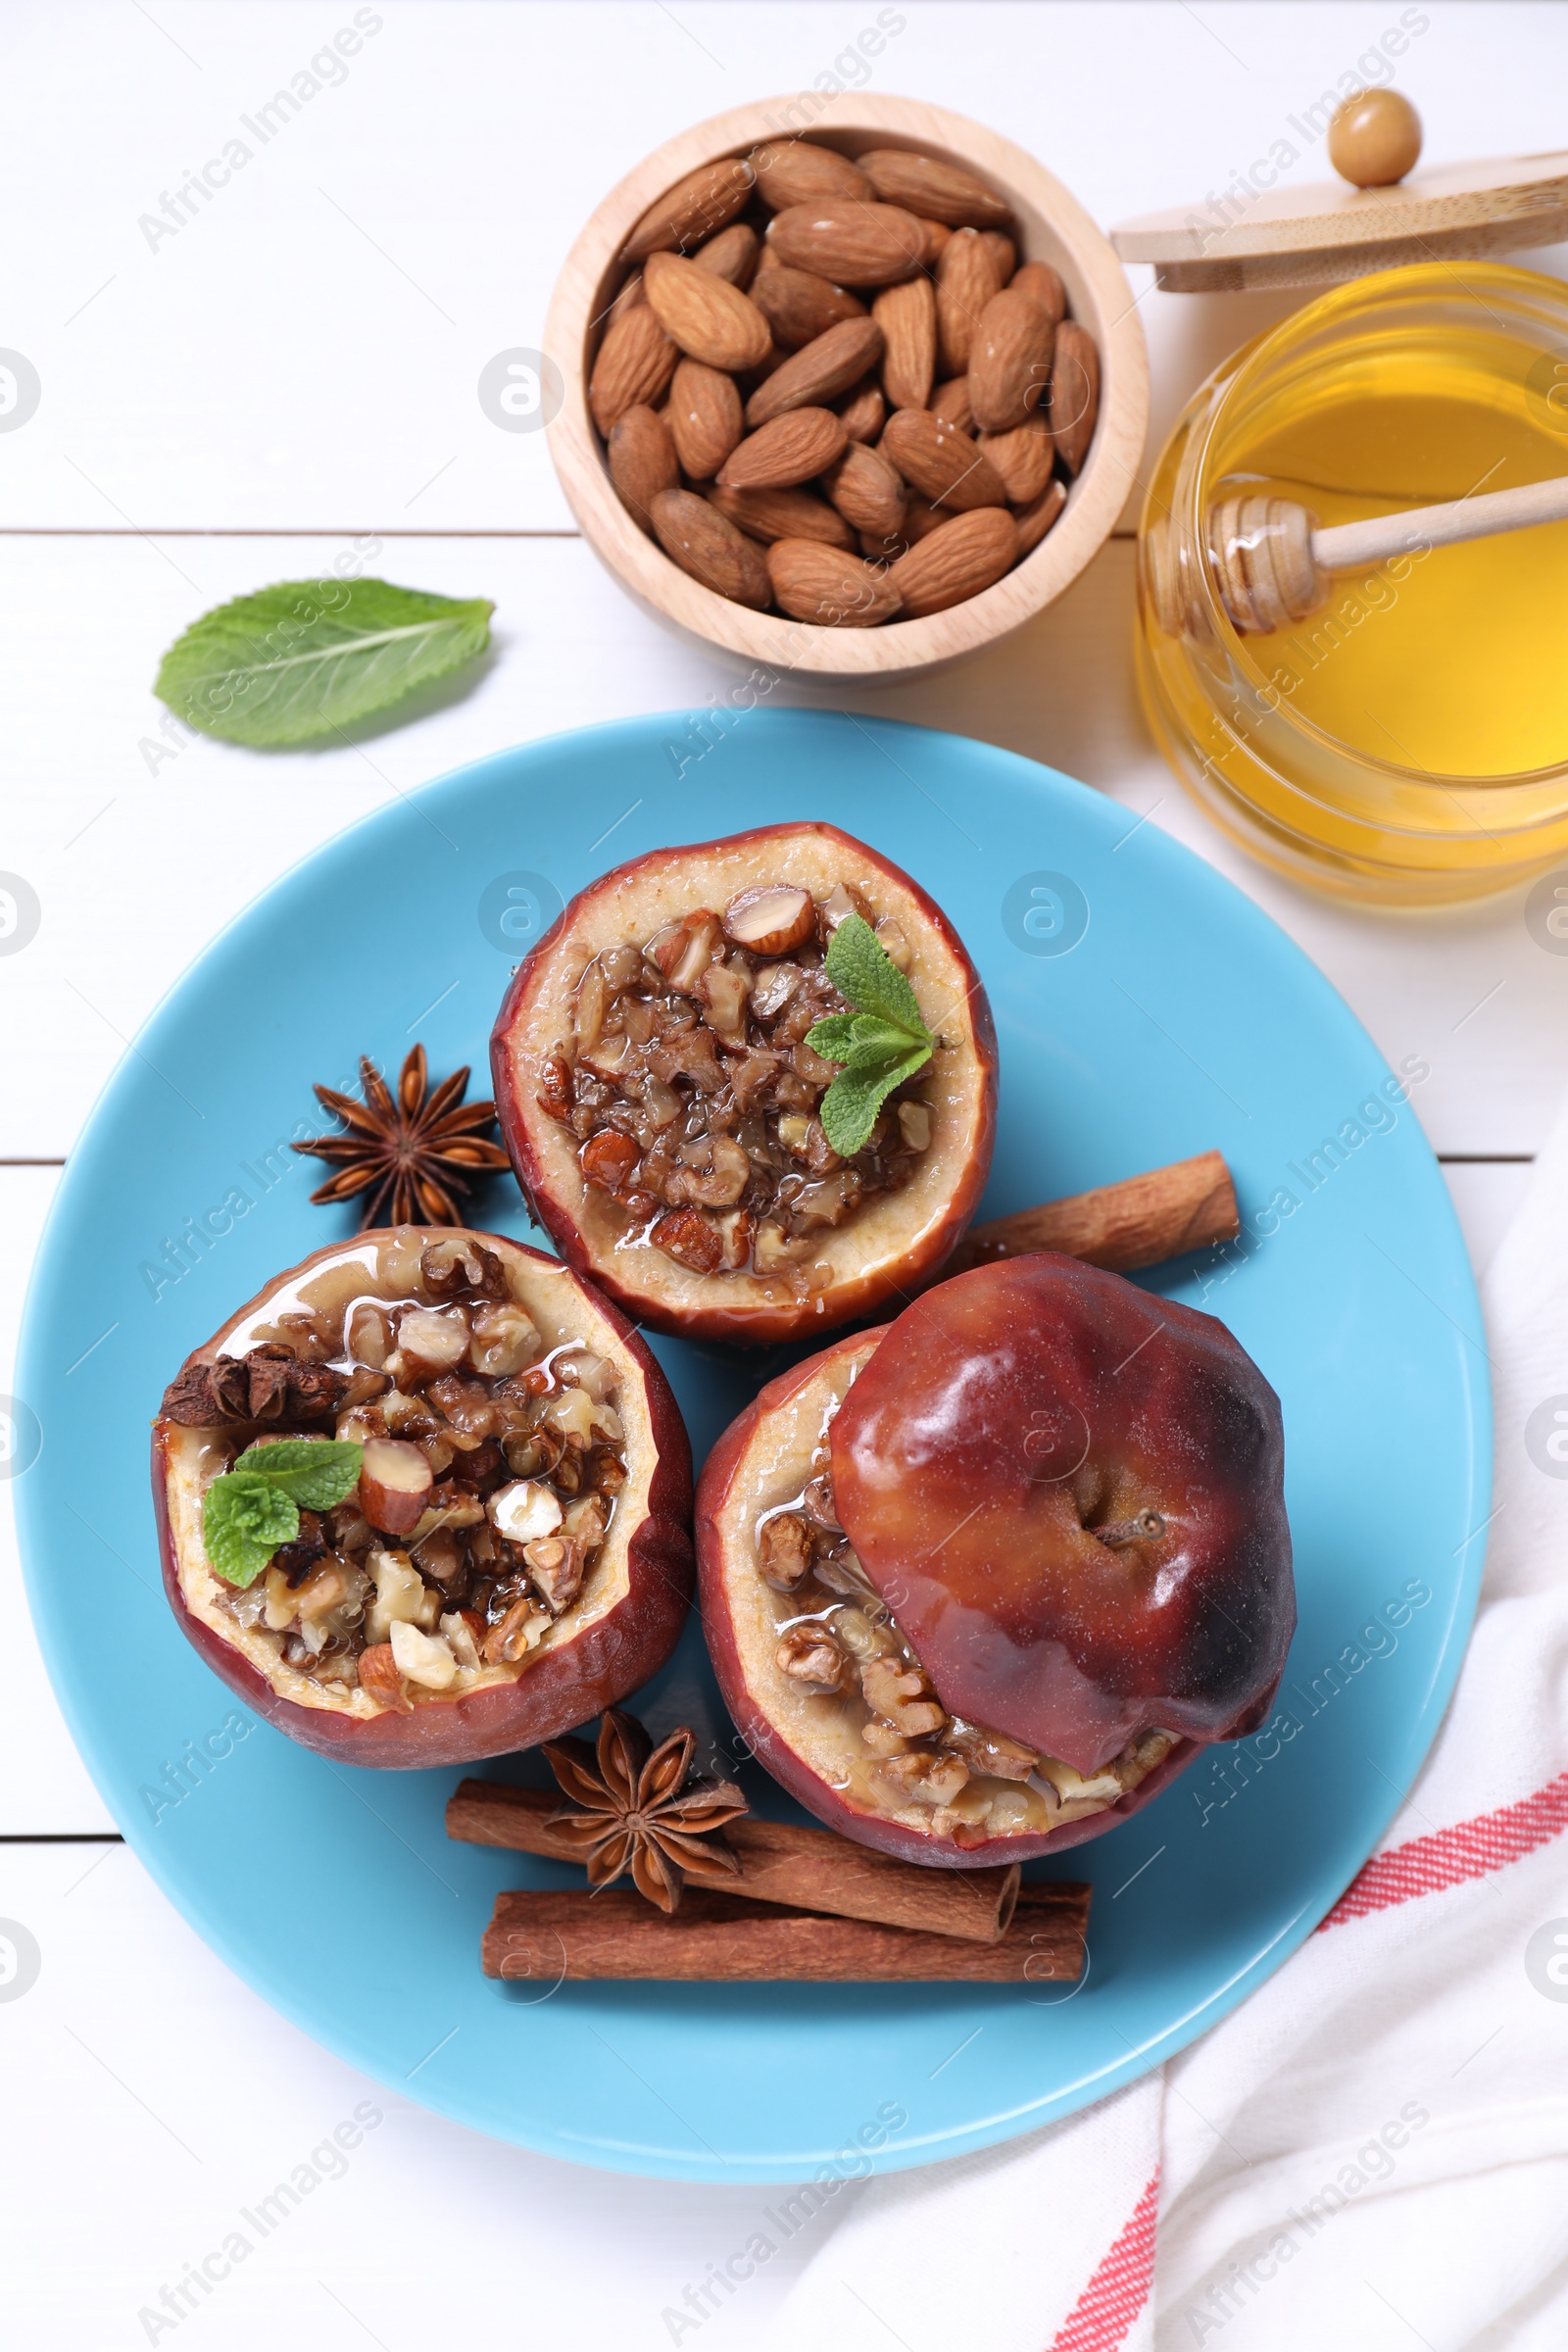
x,y
240,399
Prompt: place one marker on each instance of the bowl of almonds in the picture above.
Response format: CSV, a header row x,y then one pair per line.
x,y
853,404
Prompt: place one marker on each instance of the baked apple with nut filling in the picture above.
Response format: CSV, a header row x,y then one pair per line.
x,y
749,1086
425,1499
979,1584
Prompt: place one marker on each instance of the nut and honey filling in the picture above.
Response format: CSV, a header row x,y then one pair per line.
x,y
490,1472
906,1758
696,1098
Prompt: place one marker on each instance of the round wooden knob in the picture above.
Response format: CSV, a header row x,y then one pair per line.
x,y
1373,138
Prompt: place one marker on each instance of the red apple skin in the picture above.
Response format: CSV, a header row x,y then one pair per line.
x,y
566,1685
724,1466
1005,1414
653,1291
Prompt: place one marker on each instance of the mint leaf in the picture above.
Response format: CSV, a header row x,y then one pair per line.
x,y
881,1044
307,657
831,1037
244,1520
849,1110
863,971
317,1472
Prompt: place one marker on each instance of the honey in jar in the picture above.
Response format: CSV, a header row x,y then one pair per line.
x,y
1409,741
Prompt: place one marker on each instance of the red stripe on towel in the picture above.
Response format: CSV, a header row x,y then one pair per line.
x,y
1119,2290
1448,1857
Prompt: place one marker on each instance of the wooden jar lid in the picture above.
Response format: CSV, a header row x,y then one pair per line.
x,y
1319,236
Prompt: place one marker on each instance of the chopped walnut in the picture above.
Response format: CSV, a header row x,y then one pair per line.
x,y
521,1629
461,1269
785,1543
925,1778
903,1696
818,1505
809,1653
992,1751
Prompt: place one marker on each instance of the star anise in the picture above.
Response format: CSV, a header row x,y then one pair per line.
x,y
399,1152
266,1384
632,1809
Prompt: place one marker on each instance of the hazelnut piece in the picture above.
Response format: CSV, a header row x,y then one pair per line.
x,y
395,1481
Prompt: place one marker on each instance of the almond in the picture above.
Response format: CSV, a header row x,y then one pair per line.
x,y
1074,393
641,461
707,544
967,278
800,306
703,416
908,317
942,461
798,171
866,491
852,244
732,254
1036,519
864,412
1004,252
636,361
937,239
691,211
1023,457
783,514
838,591
827,365
711,320
1043,286
920,519
749,379
792,448
1010,361
955,561
631,294
936,192
951,401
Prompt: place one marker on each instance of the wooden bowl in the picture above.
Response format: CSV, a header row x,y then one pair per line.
x,y
1052,227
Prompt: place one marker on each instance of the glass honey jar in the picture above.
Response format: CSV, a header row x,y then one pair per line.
x,y
1409,742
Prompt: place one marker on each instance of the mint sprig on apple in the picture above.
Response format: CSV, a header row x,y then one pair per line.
x,y
880,1044
253,1508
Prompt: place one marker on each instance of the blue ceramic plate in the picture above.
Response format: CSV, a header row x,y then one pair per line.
x,y
1145,1010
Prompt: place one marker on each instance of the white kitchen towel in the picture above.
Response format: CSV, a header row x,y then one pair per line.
x,y
1371,2155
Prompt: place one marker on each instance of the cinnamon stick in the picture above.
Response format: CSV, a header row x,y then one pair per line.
x,y
558,1936
1139,1222
809,1870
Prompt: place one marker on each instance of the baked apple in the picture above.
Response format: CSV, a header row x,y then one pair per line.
x,y
977,1585
425,1499
671,1065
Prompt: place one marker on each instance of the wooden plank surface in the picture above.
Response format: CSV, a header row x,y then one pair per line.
x,y
301,359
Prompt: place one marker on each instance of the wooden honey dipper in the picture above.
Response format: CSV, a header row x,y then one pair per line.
x,y
1272,562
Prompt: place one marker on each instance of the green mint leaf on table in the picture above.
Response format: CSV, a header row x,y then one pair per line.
x,y
881,1043
244,1519
305,658
317,1472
